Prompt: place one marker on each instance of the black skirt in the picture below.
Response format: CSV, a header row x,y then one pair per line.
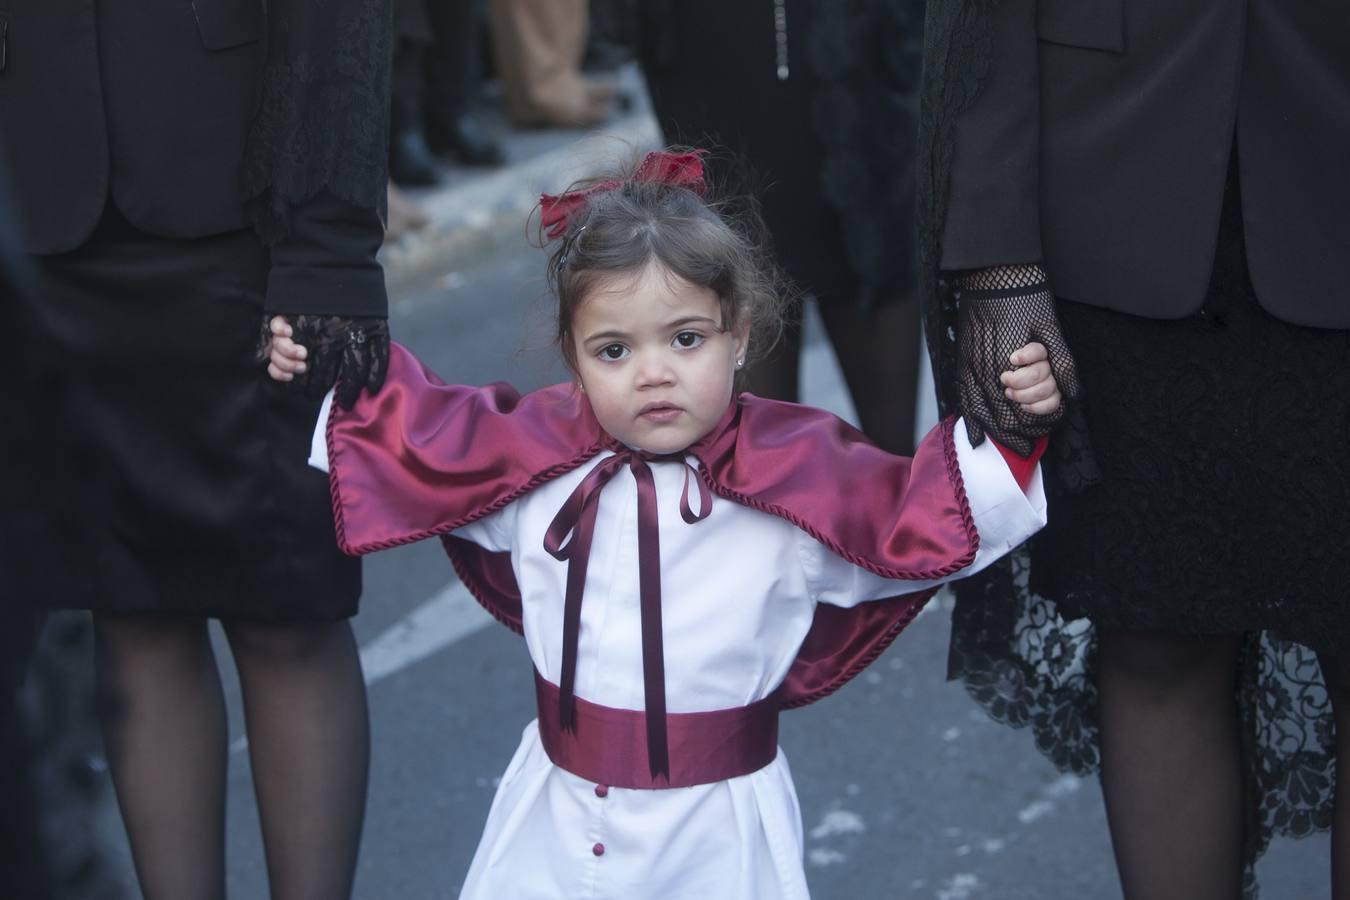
x,y
1224,443
174,467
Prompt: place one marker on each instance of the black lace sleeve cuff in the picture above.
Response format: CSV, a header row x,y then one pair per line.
x,y
1010,280
323,116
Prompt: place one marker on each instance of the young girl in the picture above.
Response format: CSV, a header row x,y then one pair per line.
x,y
683,562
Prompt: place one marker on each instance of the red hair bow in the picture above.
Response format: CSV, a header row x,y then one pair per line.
x,y
658,167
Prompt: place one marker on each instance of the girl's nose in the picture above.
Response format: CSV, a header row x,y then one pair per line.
x,y
654,370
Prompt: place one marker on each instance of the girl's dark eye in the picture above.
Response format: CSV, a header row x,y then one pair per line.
x,y
613,351
688,339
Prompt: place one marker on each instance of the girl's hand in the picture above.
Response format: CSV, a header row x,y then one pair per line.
x,y
285,358
1031,384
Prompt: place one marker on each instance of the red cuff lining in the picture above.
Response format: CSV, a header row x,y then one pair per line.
x,y
1023,468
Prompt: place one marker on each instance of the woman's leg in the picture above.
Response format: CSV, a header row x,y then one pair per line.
x,y
309,742
1171,763
163,717
878,350
1336,673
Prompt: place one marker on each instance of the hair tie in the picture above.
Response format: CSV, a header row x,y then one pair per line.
x,y
567,248
683,170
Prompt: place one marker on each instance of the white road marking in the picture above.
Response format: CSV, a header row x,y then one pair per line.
x,y
1060,787
1063,786
838,821
449,616
1035,810
959,887
821,857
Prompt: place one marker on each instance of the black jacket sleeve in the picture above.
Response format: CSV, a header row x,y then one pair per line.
x,y
993,211
325,265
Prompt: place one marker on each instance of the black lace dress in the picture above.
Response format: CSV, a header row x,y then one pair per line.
x,y
1225,501
1214,498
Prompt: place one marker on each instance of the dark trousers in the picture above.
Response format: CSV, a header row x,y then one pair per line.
x,y
438,62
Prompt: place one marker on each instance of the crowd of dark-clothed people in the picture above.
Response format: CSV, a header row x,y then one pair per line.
x,y
1130,180
549,68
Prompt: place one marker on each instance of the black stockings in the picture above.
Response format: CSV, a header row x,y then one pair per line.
x,y
164,728
1336,672
309,742
1171,764
164,725
878,351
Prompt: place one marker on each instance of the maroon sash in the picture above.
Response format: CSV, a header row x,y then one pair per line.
x,y
609,746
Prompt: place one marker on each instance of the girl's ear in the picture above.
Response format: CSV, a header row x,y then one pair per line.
x,y
741,333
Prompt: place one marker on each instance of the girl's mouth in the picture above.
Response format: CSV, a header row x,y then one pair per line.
x,y
659,412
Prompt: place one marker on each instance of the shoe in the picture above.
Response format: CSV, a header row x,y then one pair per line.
x,y
607,93
410,161
601,88
575,112
465,138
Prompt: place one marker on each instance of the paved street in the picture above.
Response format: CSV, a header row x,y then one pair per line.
x,y
907,789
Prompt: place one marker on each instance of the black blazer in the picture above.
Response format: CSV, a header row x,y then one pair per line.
x,y
1100,142
151,104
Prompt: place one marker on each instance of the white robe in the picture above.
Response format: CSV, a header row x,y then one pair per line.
x,y
738,595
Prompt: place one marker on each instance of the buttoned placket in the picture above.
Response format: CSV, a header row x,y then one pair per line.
x,y
597,851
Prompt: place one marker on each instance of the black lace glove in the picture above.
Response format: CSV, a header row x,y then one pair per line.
x,y
1002,309
350,354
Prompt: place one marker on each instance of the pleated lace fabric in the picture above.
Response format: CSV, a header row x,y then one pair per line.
x,y
323,115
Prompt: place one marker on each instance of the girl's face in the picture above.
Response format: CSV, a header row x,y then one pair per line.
x,y
654,360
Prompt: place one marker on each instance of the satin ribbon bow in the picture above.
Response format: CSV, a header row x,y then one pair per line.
x,y
658,167
577,518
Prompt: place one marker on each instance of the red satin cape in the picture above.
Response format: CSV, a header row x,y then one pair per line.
x,y
422,458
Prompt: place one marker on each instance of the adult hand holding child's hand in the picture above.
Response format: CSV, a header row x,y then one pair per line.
x,y
1015,366
347,354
